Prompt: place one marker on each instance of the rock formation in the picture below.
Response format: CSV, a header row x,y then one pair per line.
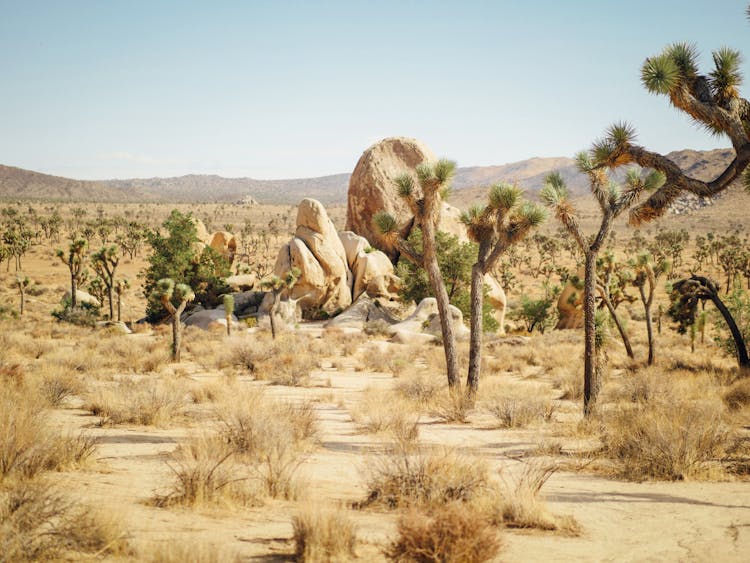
x,y
223,242
570,306
335,269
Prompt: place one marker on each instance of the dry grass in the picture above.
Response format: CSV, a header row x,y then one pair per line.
x,y
518,502
287,360
737,396
405,478
454,533
380,412
323,536
27,446
517,405
57,387
204,474
38,523
269,436
186,552
148,402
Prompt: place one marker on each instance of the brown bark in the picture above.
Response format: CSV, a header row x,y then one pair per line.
x,y
591,380
618,324
475,343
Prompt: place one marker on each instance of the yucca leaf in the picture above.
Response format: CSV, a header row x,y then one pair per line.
x,y
444,170
660,74
654,180
621,133
685,57
385,223
504,196
584,162
405,185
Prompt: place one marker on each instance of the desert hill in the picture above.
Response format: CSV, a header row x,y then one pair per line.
x,y
469,185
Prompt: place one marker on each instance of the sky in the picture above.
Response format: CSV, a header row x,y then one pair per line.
x,y
284,89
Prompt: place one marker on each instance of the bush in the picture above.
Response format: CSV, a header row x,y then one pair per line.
x,y
670,440
738,395
452,534
424,479
148,402
84,314
517,406
286,360
323,536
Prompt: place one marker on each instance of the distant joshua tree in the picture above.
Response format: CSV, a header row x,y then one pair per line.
x,y
276,285
612,200
504,221
105,262
22,282
166,291
228,302
424,202
121,287
646,271
75,260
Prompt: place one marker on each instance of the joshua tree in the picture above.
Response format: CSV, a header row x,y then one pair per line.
x,y
612,202
75,260
424,202
505,220
166,291
22,282
228,302
646,271
610,283
105,263
712,100
687,293
277,285
121,286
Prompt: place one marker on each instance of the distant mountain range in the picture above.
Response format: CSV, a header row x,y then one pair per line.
x,y
469,185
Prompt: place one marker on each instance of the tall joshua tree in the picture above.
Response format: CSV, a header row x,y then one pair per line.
x,y
105,262
612,200
712,100
495,227
121,286
166,291
646,271
424,202
75,260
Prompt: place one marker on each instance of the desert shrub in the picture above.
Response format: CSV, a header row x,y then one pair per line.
x,y
738,395
537,314
451,534
670,440
286,360
183,551
379,411
39,523
57,387
204,473
406,478
419,389
518,503
570,384
84,314
321,536
517,406
378,327
269,436
148,402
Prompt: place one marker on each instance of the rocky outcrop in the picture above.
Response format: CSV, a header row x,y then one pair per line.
x,y
209,318
372,188
364,310
425,319
223,242
83,298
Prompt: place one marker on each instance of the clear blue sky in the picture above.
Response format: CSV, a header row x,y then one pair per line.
x,y
279,89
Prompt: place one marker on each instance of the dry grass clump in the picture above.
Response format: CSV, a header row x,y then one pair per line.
x,y
380,411
58,386
287,360
269,436
27,446
405,478
518,503
569,381
738,395
204,473
454,533
419,389
517,405
37,523
671,440
323,536
148,402
185,552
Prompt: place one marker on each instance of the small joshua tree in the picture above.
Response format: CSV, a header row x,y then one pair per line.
x,y
166,291
424,202
22,282
610,283
612,201
646,271
75,260
504,221
121,287
276,285
687,293
228,302
105,263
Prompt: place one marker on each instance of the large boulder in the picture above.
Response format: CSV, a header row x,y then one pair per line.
x,y
372,188
224,243
242,282
365,309
497,300
209,318
83,298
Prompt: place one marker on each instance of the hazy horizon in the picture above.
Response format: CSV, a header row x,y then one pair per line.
x,y
289,90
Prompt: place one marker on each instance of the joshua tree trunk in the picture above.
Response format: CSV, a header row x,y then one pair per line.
x,y
591,380
272,312
110,297
647,301
475,345
23,300
441,296
73,296
739,341
618,324
119,308
176,338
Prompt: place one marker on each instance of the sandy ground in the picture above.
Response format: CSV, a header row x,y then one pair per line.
x,y
621,521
